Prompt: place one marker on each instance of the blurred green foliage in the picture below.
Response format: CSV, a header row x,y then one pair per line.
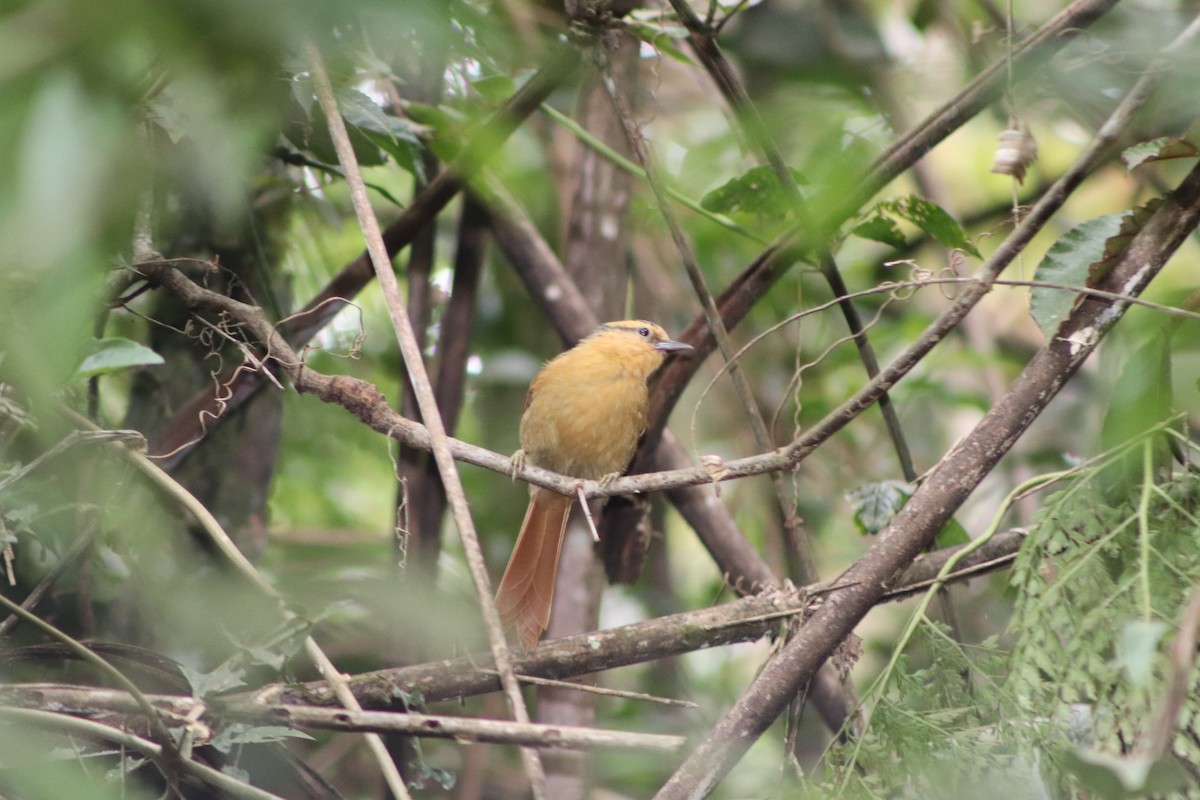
x,y
191,126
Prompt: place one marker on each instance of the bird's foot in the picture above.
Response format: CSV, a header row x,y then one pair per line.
x,y
605,480
518,463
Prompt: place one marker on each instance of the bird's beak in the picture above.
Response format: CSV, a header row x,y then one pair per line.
x,y
673,346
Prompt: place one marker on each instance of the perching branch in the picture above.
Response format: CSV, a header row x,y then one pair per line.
x,y
207,408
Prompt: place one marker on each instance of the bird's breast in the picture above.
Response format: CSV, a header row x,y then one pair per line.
x,y
584,420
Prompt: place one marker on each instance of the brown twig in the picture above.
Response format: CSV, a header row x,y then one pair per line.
x,y
936,500
187,429
427,403
741,620
93,701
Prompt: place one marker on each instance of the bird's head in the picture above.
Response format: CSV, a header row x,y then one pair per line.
x,y
636,343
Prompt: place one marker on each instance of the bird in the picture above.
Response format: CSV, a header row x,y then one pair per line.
x,y
584,413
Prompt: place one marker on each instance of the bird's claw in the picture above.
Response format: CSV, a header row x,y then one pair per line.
x,y
518,463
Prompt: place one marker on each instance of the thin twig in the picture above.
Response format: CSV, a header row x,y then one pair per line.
x,y
78,547
75,700
370,406
605,691
937,498
94,730
168,758
427,403
746,619
713,316
188,427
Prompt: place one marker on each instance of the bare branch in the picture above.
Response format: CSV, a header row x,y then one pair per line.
x,y
427,403
936,500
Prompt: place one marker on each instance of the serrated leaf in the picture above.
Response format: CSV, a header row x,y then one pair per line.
x,y
1132,222
757,192
881,229
1162,149
1137,647
875,504
1067,263
114,354
933,219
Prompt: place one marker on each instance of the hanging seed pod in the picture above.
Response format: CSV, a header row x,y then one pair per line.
x,y
1016,151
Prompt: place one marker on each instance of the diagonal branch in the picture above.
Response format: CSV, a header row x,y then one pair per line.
x,y
775,261
427,403
206,410
936,500
746,619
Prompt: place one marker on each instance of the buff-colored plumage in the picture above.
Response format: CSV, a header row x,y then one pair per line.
x,y
583,416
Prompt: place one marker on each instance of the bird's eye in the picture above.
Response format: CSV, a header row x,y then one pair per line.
x,y
644,333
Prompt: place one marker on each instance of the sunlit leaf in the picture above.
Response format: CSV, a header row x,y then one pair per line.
x,y
881,229
757,192
931,218
1162,149
114,354
1066,264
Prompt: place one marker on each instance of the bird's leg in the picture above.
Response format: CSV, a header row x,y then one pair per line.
x,y
587,511
518,463
605,480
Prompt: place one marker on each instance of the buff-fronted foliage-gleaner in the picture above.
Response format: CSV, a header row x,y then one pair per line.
x,y
584,413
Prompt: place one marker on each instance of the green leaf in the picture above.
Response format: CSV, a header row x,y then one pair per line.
x,y
112,355
662,40
875,504
1137,646
952,534
757,193
1132,223
1067,263
393,135
495,88
1141,397
1161,149
881,229
931,218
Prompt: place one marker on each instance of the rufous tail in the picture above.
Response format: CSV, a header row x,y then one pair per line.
x,y
527,587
